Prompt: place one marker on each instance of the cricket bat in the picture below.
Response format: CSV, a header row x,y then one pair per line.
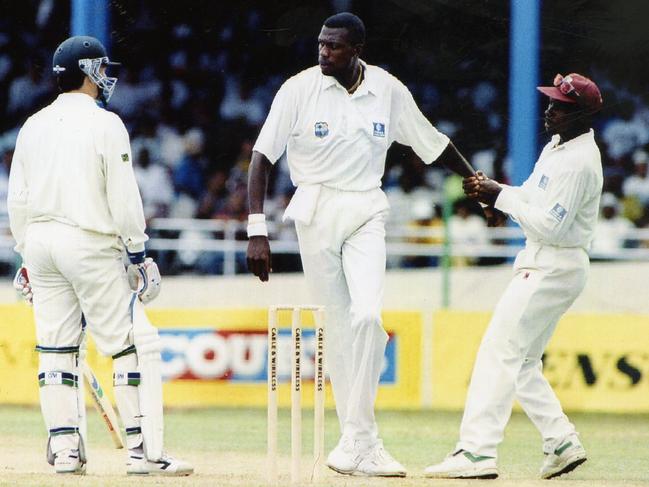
x,y
102,404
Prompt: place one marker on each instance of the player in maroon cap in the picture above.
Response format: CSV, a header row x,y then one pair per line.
x,y
575,89
557,208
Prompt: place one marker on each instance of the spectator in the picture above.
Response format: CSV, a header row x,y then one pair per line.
x,y
241,102
27,90
5,165
155,185
127,98
239,172
171,143
467,230
637,185
235,207
611,230
188,176
424,215
625,133
215,197
148,139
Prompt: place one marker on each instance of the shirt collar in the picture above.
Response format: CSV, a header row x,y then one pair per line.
x,y
368,85
76,98
590,135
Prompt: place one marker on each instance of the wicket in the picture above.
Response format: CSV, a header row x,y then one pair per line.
x,y
296,391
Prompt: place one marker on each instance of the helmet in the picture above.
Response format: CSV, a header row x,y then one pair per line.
x,y
81,56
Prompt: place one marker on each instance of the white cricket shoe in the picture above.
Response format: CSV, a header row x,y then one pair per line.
x,y
347,455
69,461
138,464
565,458
377,462
462,464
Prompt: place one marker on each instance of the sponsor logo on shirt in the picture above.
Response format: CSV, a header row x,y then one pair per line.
x,y
125,157
543,183
379,129
321,129
558,212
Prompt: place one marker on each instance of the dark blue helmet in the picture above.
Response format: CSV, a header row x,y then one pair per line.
x,y
81,56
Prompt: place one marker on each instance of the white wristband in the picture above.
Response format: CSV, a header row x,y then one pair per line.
x,y
257,225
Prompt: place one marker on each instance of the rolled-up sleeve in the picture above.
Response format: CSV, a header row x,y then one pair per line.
x,y
415,130
279,124
122,193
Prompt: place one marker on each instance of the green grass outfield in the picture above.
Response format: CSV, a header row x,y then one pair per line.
x,y
228,447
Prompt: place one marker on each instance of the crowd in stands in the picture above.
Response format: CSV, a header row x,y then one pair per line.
x,y
195,88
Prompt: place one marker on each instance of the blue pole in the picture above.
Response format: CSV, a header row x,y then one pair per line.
x,y
91,18
523,80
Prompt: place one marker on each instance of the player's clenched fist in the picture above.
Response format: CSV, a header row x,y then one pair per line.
x,y
471,185
258,257
481,188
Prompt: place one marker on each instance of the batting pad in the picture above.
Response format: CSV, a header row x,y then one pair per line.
x,y
147,346
58,380
125,387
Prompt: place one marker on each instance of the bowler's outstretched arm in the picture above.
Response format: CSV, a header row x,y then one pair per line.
x,y
452,159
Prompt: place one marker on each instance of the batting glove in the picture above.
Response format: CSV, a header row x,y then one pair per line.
x,y
144,279
23,286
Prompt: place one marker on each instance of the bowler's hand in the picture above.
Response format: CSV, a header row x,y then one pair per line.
x,y
258,257
495,218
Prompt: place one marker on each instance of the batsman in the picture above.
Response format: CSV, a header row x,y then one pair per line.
x,y
74,206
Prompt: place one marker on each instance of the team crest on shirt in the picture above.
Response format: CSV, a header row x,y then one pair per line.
x,y
558,212
379,129
543,183
321,129
125,157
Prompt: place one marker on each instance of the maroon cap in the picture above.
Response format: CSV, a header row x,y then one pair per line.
x,y
574,88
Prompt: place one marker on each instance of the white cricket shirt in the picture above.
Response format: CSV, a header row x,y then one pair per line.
x,y
559,203
72,164
340,140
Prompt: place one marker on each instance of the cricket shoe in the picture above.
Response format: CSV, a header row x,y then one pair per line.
x,y
565,458
347,455
377,462
69,461
462,464
169,466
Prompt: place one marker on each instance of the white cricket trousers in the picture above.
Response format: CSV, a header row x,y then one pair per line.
x,y
343,256
547,280
74,271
